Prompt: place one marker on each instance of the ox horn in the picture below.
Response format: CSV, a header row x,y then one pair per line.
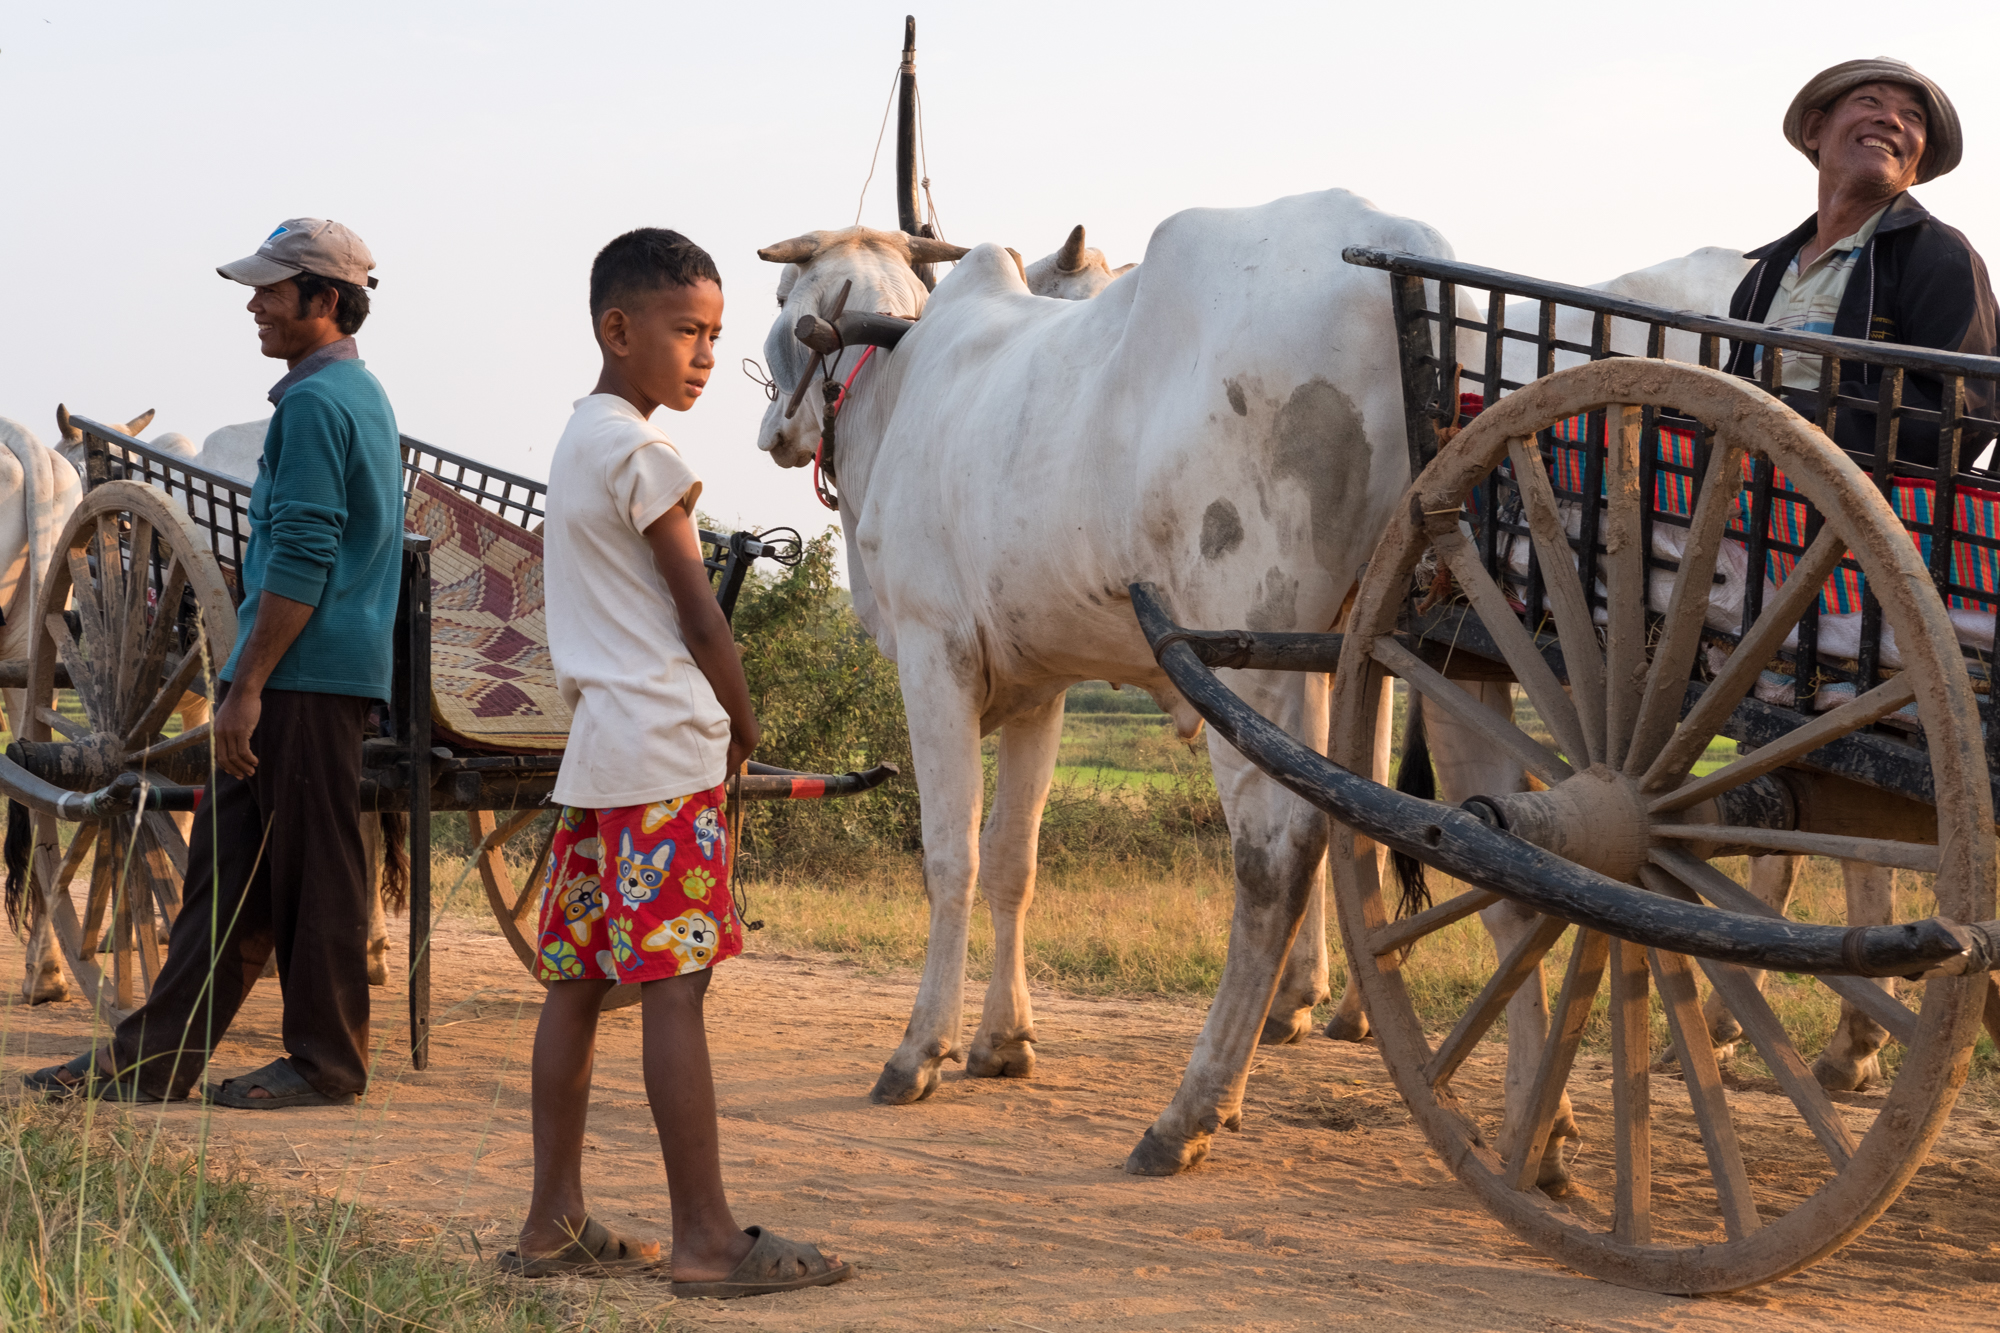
x,y
1070,258
795,251
140,422
70,433
929,250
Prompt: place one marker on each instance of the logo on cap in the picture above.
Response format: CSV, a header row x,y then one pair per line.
x,y
282,229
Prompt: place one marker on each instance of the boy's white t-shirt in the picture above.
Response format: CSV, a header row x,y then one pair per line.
x,y
647,725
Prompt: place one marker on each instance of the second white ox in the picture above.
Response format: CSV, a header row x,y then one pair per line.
x,y
1227,423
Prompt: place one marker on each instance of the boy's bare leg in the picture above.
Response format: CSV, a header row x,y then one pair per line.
x,y
707,1242
565,1047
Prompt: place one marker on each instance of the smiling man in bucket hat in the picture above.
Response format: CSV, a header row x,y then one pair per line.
x,y
276,864
1872,263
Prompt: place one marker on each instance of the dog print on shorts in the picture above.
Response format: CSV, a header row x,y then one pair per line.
x,y
639,892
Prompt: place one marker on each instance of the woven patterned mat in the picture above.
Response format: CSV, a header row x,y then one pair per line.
x,y
493,683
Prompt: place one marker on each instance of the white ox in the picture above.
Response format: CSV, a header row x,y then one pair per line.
x,y
1701,281
1227,423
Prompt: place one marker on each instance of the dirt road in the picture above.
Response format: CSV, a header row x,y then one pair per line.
x,y
1001,1205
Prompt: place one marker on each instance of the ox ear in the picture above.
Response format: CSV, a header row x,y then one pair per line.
x,y
1122,270
927,250
140,422
1070,258
795,251
70,433
1019,267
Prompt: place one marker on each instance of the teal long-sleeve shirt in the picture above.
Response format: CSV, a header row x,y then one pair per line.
x,y
326,523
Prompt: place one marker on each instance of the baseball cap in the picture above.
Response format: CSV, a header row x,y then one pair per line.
x,y
1944,142
305,245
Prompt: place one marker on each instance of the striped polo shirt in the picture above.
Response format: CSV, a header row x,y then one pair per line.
x,y
1809,301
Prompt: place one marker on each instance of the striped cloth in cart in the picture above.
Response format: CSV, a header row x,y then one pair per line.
x,y
1974,512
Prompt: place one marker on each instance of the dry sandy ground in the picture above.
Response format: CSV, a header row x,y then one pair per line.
x,y
1001,1205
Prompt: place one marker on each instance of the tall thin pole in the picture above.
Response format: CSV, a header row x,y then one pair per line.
x,y
909,211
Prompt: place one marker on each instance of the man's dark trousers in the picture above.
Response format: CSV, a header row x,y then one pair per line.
x,y
275,864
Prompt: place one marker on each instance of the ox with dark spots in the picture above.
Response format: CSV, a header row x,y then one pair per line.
x,y
1225,421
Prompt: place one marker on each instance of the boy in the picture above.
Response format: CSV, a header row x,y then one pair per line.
x,y
638,887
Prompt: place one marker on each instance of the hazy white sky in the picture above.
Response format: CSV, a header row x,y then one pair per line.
x,y
485,151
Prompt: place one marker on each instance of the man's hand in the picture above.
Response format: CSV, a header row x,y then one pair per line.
x,y
235,722
279,620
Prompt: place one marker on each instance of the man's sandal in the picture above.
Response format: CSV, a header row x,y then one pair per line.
x,y
595,1250
284,1083
82,1078
774,1264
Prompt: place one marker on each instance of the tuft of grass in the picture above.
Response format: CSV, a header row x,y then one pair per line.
x,y
106,1224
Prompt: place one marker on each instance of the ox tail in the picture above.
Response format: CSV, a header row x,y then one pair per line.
x,y
20,839
1414,777
395,860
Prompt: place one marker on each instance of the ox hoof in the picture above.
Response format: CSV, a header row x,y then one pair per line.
x,y
1724,1031
46,991
1841,1075
1007,1059
1286,1030
1156,1157
900,1087
378,970
1347,1027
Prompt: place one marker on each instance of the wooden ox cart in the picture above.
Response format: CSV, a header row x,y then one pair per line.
x,y
1568,530
147,572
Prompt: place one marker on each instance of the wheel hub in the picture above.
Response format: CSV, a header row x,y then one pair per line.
x,y
1596,819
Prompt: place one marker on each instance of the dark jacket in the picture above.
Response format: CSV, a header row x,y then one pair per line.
x,y
1917,282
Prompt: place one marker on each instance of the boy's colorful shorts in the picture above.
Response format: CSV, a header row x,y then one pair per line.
x,y
638,892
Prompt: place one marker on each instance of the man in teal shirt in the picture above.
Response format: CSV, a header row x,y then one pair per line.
x,y
276,862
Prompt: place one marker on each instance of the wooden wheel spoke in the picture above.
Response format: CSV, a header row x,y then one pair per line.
x,y
100,888
1624,582
1705,1093
166,853
1530,753
1531,669
1767,1033
158,641
1875,851
1631,1095
1687,609
172,745
82,677
1869,708
1565,588
83,590
1521,962
61,725
1527,1138
531,895
164,702
1399,935
1719,700
132,627
1895,1017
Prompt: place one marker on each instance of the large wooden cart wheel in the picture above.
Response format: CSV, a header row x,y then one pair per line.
x,y
1675,1188
150,622
516,907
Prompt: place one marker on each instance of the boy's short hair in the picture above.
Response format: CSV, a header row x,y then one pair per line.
x,y
643,261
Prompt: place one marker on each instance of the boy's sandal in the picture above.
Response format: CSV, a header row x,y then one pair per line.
x,y
286,1086
774,1264
82,1078
596,1249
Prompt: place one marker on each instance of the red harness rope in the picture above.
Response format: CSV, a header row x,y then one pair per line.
x,y
820,488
